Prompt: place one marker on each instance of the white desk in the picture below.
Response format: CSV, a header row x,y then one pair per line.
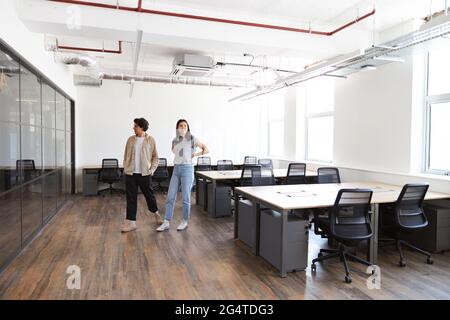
x,y
232,175
284,198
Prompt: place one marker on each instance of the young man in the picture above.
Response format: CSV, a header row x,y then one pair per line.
x,y
139,164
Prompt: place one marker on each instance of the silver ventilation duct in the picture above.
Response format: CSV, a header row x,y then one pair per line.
x,y
170,80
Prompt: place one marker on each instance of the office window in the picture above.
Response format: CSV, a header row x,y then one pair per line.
x,y
10,210
275,116
320,119
35,166
438,112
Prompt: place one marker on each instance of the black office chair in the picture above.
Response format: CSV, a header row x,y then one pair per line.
x,y
203,164
328,175
26,168
110,174
296,173
324,175
161,173
349,224
250,160
262,176
224,165
266,163
246,180
406,216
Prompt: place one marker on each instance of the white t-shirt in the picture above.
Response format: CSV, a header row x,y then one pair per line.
x,y
137,154
183,148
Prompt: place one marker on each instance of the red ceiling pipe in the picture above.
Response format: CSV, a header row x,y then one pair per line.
x,y
119,51
139,8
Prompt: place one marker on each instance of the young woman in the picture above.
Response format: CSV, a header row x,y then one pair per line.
x,y
183,146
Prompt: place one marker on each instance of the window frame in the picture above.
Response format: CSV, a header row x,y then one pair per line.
x,y
429,101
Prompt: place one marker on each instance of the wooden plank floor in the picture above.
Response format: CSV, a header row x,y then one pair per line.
x,y
203,262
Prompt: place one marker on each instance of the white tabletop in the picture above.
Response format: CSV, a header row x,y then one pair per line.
x,y
236,174
289,197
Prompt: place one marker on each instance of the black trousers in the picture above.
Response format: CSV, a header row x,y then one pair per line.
x,y
132,182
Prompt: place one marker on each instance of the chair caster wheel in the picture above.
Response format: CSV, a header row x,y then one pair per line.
x,y
348,279
430,261
402,263
313,268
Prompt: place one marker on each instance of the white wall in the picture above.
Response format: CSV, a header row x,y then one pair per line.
x,y
373,119
104,120
379,118
31,47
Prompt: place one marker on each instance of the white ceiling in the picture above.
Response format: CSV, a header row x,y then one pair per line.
x,y
324,15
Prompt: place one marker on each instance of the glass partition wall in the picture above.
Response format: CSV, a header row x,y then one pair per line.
x,y
36,160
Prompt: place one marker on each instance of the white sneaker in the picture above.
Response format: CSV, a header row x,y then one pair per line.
x,y
183,225
128,226
164,226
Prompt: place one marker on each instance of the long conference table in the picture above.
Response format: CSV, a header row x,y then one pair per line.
x,y
285,198
218,176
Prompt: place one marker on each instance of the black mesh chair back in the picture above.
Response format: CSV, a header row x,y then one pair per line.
x,y
250,160
263,177
203,164
296,173
225,165
161,171
25,164
349,218
248,171
408,209
26,168
266,163
328,175
110,171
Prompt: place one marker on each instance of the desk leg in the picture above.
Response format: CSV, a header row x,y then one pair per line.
x,y
205,195
213,199
372,253
283,271
257,230
196,190
236,214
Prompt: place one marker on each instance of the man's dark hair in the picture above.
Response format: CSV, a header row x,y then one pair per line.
x,y
142,123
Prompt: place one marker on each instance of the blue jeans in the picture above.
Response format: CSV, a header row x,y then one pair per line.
x,y
182,174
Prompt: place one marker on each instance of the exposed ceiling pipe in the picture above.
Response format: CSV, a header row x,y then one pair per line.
x,y
169,80
140,9
103,50
75,59
253,66
428,32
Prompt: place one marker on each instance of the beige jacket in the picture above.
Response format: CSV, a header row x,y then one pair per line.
x,y
149,156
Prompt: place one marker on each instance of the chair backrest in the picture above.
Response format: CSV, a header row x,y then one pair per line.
x,y
263,177
349,217
266,163
224,165
296,173
250,160
203,164
110,170
408,210
25,164
161,171
248,171
110,163
328,175
26,168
